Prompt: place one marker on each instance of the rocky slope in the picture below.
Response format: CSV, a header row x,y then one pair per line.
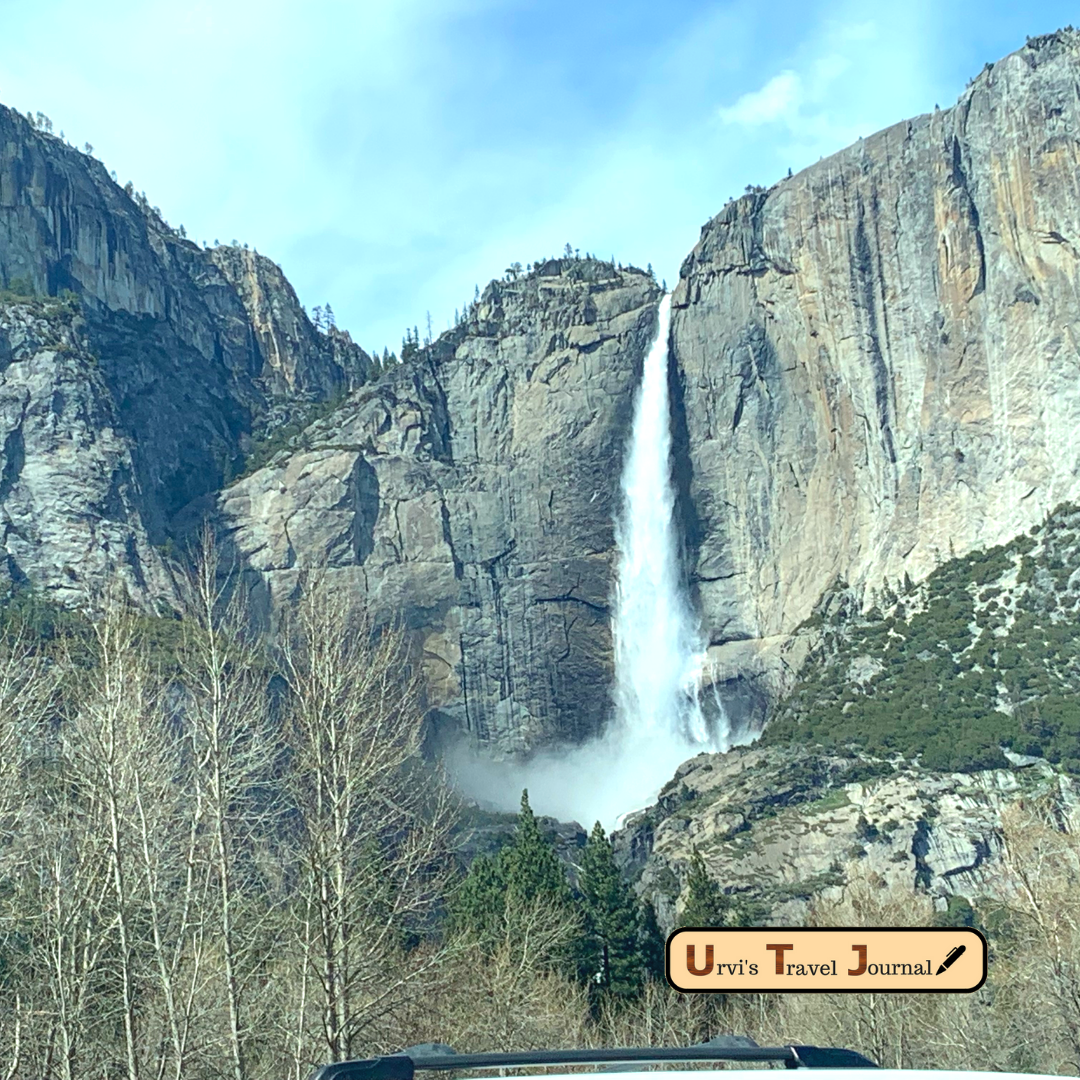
x,y
780,826
196,350
982,655
879,357
472,492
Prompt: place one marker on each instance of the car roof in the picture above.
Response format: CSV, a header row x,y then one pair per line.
x,y
818,1074
829,1063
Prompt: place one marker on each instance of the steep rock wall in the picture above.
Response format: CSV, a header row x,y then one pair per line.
x,y
70,521
194,351
880,355
472,492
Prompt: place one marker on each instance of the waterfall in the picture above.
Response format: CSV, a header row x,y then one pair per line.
x,y
658,650
659,653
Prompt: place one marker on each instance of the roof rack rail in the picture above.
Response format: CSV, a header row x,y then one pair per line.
x,y
403,1065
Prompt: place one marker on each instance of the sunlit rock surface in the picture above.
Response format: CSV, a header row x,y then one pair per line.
x,y
780,827
879,356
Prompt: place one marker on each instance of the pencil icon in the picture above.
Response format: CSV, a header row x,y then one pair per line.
x,y
952,958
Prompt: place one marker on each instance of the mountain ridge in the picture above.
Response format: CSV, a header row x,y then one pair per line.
x,y
854,345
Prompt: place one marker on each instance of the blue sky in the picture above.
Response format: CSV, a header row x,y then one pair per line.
x,y
391,155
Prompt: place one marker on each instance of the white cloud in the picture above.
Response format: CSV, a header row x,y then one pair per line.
x,y
806,101
778,99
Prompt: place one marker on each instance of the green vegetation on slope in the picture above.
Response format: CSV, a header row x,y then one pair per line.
x,y
984,654
291,436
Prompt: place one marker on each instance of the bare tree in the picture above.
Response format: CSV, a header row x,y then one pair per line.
x,y
1041,853
29,685
536,1005
68,885
233,752
106,747
372,837
169,823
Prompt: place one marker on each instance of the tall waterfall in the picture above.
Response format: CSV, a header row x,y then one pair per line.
x,y
658,650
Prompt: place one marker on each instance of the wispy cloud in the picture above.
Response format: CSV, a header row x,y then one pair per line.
x,y
778,99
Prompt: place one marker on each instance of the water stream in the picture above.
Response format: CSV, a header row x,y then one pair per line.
x,y
658,647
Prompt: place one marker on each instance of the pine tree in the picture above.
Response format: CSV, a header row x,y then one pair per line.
x,y
609,958
532,868
526,870
706,904
409,344
651,944
478,906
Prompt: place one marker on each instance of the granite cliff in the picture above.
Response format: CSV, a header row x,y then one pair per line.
x,y
874,368
472,492
879,359
174,355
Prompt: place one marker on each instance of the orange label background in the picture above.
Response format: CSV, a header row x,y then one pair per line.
x,y
823,947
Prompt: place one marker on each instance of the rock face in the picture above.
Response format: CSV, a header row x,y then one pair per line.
x,y
196,351
69,501
781,826
875,367
472,492
879,358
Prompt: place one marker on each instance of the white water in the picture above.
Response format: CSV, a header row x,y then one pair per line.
x,y
659,653
658,647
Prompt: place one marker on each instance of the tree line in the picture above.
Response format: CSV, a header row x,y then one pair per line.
x,y
211,861
221,854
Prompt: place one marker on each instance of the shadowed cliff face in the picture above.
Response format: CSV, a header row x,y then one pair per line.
x,y
193,350
880,356
472,492
70,519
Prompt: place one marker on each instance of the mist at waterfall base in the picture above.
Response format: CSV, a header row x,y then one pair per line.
x,y
658,721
